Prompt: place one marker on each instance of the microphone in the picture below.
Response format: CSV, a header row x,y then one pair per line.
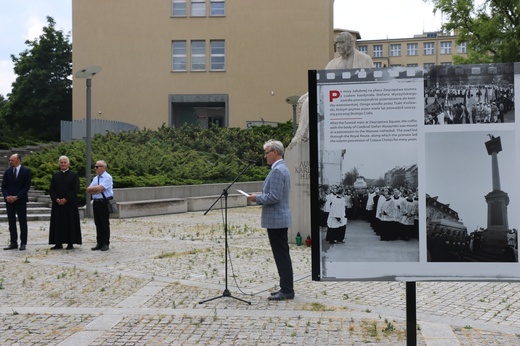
x,y
255,162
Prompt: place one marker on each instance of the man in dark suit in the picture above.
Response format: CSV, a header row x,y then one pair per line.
x,y
276,215
15,187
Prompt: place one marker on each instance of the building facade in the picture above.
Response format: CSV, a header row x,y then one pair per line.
x,y
427,49
171,62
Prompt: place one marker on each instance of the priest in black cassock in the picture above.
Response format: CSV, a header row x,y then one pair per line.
x,y
65,226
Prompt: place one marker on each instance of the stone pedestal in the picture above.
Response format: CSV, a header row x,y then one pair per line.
x,y
297,161
495,236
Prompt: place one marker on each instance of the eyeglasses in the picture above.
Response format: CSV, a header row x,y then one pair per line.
x,y
267,152
98,166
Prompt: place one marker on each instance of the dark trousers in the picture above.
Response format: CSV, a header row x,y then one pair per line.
x,y
280,247
13,209
102,222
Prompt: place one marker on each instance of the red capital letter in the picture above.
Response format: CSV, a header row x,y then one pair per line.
x,y
333,94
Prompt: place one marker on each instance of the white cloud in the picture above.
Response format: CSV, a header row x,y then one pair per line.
x,y
379,19
22,20
34,28
7,76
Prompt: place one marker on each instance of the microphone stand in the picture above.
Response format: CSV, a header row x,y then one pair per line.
x,y
224,193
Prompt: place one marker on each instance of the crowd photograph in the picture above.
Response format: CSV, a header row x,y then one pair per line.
x,y
456,96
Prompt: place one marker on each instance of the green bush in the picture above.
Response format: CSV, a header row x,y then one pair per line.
x,y
13,140
187,155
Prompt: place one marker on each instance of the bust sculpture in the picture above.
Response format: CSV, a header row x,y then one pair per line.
x,y
349,57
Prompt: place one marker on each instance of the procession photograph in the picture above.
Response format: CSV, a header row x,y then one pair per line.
x,y
369,204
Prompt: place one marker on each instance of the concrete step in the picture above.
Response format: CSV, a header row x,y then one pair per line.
x,y
32,193
31,211
30,217
36,192
31,204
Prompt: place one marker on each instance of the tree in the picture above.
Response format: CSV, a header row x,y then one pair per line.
x,y
491,30
399,180
350,177
380,182
41,95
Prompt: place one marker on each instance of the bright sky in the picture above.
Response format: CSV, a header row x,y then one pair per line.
x,y
22,20
376,19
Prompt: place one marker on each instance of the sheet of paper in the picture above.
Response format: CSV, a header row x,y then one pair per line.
x,y
244,193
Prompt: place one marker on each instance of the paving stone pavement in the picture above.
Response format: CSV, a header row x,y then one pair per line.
x,y
148,288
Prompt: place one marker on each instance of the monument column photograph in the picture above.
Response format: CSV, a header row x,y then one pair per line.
x,y
495,235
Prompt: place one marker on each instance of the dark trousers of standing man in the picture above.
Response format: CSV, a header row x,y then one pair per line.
x,y
17,208
102,222
282,258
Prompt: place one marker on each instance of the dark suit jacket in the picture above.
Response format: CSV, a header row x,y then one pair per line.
x,y
17,186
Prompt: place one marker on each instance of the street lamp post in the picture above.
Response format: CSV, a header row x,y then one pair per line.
x,y
88,73
293,101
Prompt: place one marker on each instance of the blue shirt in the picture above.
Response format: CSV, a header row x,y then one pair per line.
x,y
104,179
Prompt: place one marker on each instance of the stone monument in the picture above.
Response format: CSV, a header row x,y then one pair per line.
x,y
495,236
297,157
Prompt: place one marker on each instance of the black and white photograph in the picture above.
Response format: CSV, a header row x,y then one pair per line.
x,y
369,204
469,94
478,220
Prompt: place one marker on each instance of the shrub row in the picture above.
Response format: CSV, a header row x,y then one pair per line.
x,y
167,156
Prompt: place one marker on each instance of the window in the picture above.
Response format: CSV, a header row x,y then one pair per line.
x,y
217,8
428,65
445,63
446,47
378,51
179,8
198,55
179,55
198,8
429,48
395,50
378,64
461,48
218,55
363,49
412,49
412,65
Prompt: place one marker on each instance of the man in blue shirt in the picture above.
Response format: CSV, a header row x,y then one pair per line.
x,y
101,192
